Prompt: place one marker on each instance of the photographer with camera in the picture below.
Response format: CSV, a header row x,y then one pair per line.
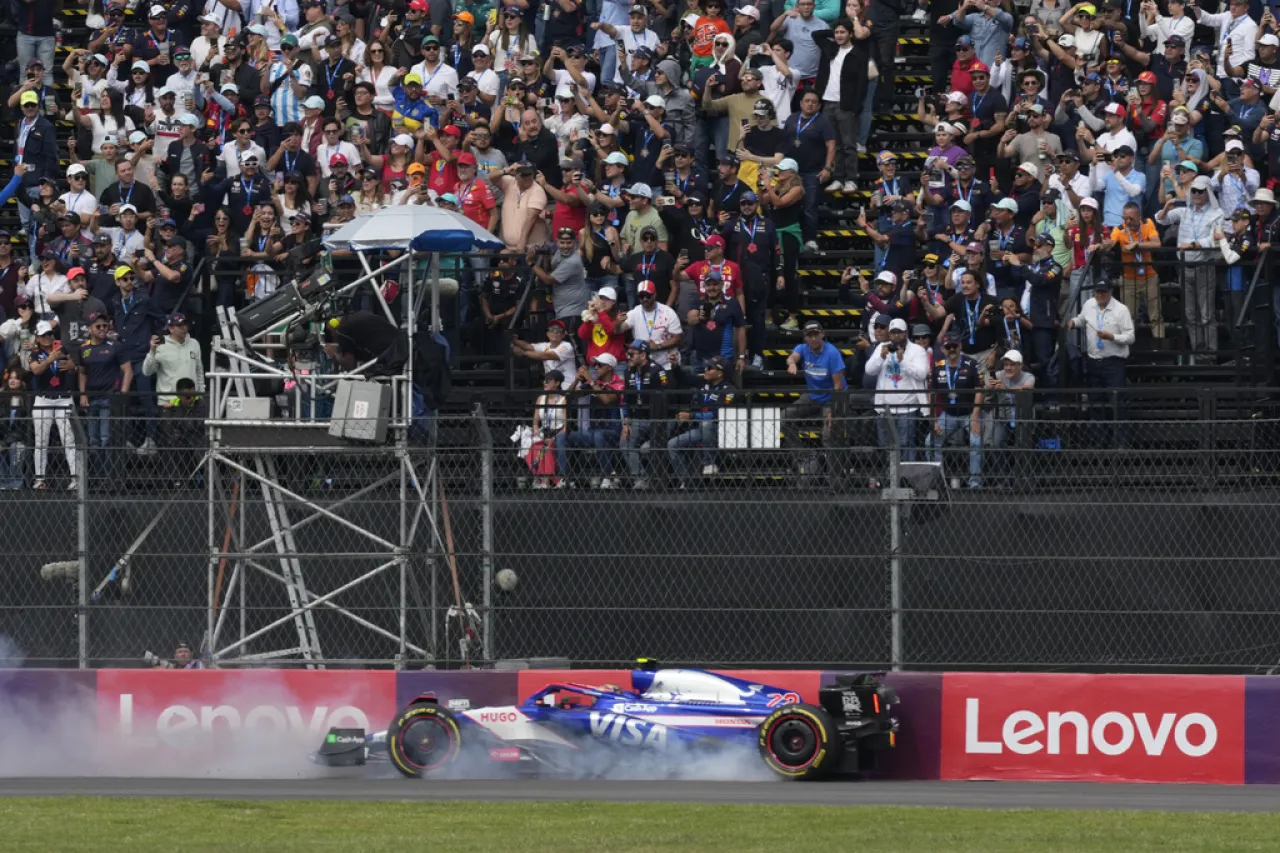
x,y
901,368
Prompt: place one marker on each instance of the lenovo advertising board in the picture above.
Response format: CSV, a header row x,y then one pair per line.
x,y
1115,728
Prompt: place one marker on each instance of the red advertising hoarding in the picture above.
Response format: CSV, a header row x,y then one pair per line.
x,y
190,709
1129,728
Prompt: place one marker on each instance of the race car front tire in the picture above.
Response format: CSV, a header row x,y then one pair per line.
x,y
799,742
423,739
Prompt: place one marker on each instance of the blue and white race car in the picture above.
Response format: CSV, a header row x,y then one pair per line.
x,y
669,718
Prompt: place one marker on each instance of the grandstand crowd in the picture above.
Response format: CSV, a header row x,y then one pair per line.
x,y
657,172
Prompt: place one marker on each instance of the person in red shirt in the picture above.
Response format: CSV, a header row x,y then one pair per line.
x,y
715,264
442,167
475,197
965,58
709,24
571,202
599,327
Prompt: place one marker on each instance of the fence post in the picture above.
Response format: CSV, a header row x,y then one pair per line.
x,y
894,494
486,529
82,542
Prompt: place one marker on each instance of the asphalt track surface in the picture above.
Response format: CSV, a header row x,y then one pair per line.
x,y
1001,795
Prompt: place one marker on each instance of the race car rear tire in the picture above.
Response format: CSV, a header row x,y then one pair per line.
x,y
423,739
799,742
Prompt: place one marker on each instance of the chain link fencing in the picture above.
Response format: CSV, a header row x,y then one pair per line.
x,y
1083,541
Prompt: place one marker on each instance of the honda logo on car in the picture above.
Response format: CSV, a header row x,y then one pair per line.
x,y
1093,727
1111,733
628,731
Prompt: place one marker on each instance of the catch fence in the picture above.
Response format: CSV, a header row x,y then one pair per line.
x,y
1119,530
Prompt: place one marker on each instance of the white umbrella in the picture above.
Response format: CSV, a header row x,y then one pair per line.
x,y
422,228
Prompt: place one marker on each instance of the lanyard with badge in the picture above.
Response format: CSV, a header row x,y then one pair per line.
x,y
971,317
1100,312
952,398
801,127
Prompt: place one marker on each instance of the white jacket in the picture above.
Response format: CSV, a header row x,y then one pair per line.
x,y
898,376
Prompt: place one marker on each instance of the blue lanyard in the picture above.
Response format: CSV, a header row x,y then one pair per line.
x,y
262,241
1245,113
733,189
331,74
961,193
755,223
972,317
801,128
683,183
1099,312
124,199
646,263
289,164
248,191
952,373
977,102
1009,329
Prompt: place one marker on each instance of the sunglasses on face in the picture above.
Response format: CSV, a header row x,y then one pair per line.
x,y
950,346
432,47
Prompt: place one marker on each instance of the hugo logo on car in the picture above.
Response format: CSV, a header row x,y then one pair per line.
x,y
1090,727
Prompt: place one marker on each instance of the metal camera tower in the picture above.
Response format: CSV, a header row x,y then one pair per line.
x,y
295,558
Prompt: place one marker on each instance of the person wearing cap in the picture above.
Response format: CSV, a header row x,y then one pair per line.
x,y
1235,181
957,401
1264,69
823,368
642,215
1025,193
713,264
468,112
751,241
137,319
1196,223
1240,251
292,158
1038,307
901,369
556,353
686,179
1266,223
1037,146
635,35
1009,408
75,307
282,84
412,110
523,226
987,25
716,327
1120,184
656,323
603,387
244,191
1099,150
37,141
53,382
213,28
1004,236
439,79
648,261
1109,333
155,45
103,371
702,416
167,276
643,378
549,419
187,155
1177,144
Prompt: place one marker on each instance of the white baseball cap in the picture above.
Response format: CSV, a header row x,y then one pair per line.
x,y
1271,39
750,11
1235,145
246,156
1007,204
786,164
480,48
403,139
897,324
44,327
607,129
957,98
76,169
1030,168
604,357
1201,183
1066,40
641,190
1013,355
607,292
656,101
127,208
962,205
887,276
315,102
157,11
139,65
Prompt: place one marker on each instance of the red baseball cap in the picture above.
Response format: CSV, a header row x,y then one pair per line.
x,y
74,271
453,130
714,240
338,158
466,158
647,286
978,65
419,5
1146,77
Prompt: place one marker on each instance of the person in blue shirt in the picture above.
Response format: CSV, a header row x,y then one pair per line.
x,y
823,368
411,107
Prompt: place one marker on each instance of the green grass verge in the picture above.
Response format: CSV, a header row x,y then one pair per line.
x,y
142,825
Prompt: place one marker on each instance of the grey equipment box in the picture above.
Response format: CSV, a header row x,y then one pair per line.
x,y
361,410
248,409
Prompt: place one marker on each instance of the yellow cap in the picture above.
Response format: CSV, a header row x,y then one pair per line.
x,y
1087,10
122,271
30,98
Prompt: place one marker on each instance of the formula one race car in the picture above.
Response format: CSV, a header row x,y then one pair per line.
x,y
669,718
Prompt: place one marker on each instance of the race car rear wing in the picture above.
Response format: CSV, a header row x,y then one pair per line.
x,y
859,696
